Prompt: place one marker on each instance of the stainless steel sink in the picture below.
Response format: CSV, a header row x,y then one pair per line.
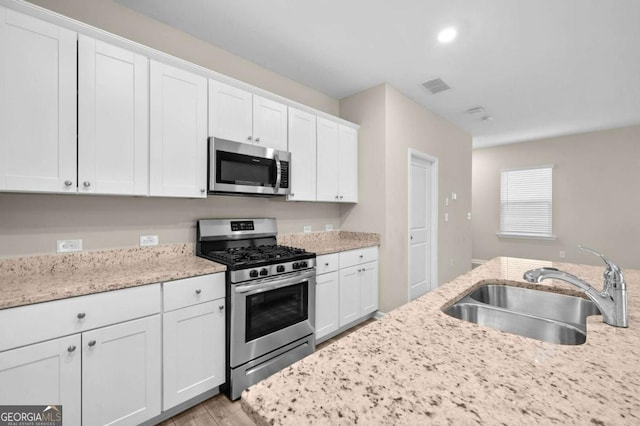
x,y
559,307
550,317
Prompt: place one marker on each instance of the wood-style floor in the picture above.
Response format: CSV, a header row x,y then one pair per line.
x,y
219,410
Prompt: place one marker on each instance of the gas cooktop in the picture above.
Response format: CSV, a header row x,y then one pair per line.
x,y
251,257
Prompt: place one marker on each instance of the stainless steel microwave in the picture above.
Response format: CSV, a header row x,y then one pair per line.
x,y
240,168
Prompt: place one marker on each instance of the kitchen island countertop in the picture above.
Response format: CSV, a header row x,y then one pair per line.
x,y
417,365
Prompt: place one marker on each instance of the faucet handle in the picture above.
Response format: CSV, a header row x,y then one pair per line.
x,y
612,275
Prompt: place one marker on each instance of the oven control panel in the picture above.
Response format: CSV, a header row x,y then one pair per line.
x,y
242,225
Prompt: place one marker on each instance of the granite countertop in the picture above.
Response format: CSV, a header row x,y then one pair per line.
x,y
417,365
329,242
35,279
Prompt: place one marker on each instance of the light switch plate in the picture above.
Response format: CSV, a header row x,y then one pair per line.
x,y
149,240
446,217
307,228
68,246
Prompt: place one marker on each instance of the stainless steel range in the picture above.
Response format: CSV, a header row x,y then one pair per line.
x,y
270,295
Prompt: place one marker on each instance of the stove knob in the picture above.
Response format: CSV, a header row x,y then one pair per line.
x,y
253,274
304,264
295,265
264,271
280,268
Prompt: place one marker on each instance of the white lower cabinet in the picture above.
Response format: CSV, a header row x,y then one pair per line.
x,y
346,290
193,337
44,374
327,308
121,370
106,370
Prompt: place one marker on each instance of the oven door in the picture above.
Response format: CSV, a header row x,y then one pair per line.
x,y
247,169
269,314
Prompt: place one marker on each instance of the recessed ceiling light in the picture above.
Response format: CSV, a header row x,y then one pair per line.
x,y
447,35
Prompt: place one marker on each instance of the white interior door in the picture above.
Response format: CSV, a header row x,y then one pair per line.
x,y
419,227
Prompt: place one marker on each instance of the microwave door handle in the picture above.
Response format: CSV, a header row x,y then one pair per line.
x,y
278,173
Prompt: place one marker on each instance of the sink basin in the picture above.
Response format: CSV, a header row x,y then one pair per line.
x,y
559,307
541,315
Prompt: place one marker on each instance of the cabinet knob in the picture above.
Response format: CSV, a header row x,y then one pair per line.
x,y
326,263
221,307
257,139
198,291
92,343
249,137
202,190
68,183
337,197
81,315
71,348
292,194
86,183
361,256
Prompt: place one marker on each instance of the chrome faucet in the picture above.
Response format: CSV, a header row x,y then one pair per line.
x,y
612,300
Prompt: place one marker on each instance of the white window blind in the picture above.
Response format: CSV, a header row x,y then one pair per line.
x,y
526,202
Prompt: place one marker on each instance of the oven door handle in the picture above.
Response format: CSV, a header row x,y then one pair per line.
x,y
278,173
275,284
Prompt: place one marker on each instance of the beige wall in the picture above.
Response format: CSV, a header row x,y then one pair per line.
x,y
392,124
596,197
31,223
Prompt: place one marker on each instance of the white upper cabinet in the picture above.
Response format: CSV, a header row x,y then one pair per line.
x,y
347,164
302,145
337,156
327,157
178,132
230,112
269,123
37,105
240,116
113,105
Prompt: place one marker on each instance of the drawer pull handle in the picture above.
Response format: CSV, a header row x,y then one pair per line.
x,y
71,348
198,291
92,343
221,307
81,315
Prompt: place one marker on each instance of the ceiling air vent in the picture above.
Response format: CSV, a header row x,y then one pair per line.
x,y
436,86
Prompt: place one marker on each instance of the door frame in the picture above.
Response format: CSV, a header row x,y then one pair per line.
x,y
411,154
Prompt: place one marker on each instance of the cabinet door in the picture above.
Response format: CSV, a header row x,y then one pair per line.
x,y
230,112
368,288
121,373
178,132
44,374
348,164
113,137
37,105
349,295
194,351
302,145
269,123
327,156
327,304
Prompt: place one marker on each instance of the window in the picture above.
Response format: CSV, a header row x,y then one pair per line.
x,y
526,202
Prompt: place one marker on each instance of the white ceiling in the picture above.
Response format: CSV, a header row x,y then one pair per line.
x,y
540,68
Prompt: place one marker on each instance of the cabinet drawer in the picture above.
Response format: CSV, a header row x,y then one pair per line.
x,y
357,257
327,263
190,291
34,323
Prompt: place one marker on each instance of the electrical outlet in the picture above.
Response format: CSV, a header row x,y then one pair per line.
x,y
469,216
149,240
446,217
562,254
67,246
454,196
328,227
307,228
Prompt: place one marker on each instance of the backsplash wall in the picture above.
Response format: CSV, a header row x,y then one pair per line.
x,y
31,223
